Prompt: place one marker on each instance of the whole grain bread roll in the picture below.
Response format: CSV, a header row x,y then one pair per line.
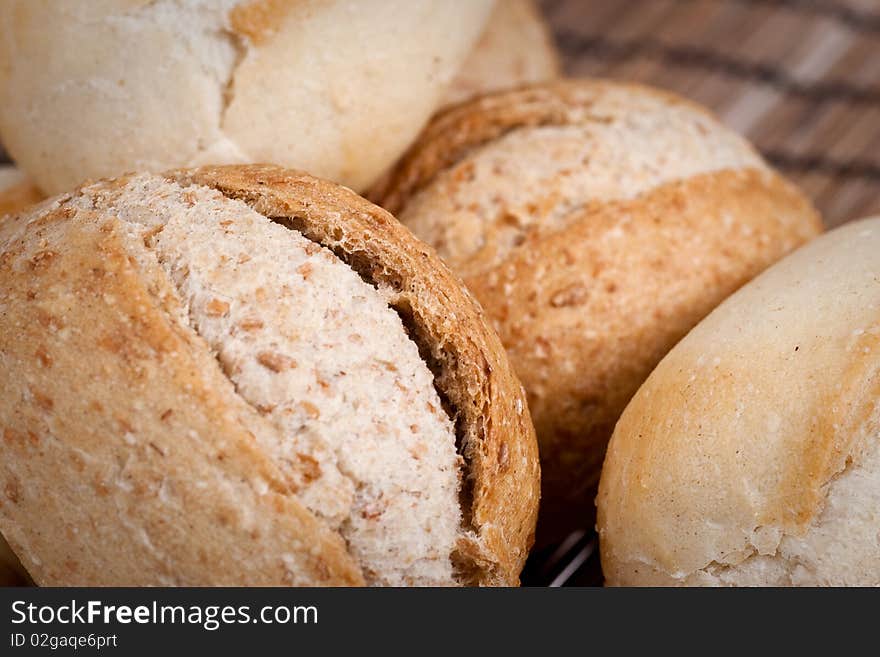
x,y
516,49
597,223
751,455
244,375
16,191
337,88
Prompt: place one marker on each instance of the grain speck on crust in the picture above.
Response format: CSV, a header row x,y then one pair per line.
x,y
274,361
216,308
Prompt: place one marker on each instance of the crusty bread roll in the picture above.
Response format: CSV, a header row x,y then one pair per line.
x,y
244,375
516,49
16,190
337,88
751,455
596,223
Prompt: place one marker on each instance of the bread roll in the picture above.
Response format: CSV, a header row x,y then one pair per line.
x,y
516,49
338,88
248,376
16,191
597,223
751,456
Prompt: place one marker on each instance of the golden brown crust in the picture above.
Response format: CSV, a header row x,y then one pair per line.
x,y
455,132
82,303
469,363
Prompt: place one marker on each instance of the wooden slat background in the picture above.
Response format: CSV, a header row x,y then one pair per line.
x,y
800,78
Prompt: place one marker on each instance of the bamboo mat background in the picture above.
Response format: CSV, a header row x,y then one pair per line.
x,y
800,78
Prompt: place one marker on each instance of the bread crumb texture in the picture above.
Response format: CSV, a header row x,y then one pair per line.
x,y
344,406
751,456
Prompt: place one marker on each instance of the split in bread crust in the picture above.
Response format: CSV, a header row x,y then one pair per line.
x,y
253,500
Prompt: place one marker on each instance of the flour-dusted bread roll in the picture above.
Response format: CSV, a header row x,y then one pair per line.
x,y
751,456
16,190
338,88
516,49
596,223
243,375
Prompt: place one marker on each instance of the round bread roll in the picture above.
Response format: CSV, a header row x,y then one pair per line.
x,y
751,456
337,88
516,49
16,191
248,376
596,223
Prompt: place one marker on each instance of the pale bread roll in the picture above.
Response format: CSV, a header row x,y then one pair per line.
x,y
337,88
16,191
516,49
751,456
597,223
199,395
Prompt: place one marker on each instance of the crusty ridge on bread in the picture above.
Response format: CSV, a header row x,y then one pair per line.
x,y
751,455
454,135
471,376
